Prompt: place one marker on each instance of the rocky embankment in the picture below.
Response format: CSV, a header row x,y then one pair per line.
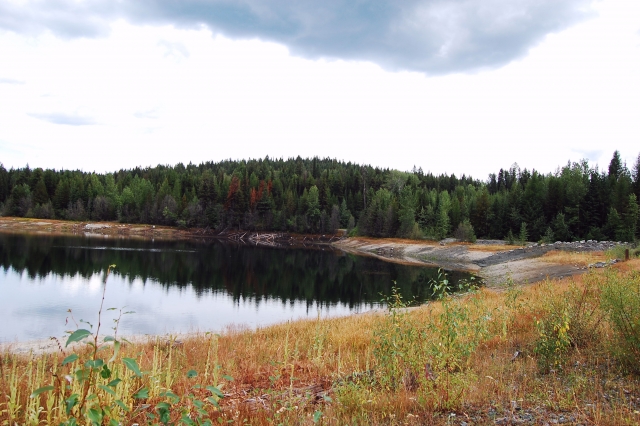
x,y
492,260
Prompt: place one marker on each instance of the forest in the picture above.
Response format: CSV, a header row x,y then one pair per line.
x,y
578,201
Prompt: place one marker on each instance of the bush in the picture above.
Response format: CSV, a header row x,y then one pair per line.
x,y
89,387
465,232
42,211
571,321
552,345
621,303
547,238
395,343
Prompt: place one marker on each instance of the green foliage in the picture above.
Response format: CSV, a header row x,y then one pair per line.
x,y
553,342
394,342
523,235
405,349
90,389
571,321
621,302
465,232
548,236
299,195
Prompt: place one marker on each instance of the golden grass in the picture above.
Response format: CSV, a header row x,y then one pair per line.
x,y
289,373
573,258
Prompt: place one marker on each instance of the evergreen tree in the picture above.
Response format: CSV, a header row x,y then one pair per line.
x,y
630,220
523,236
615,166
614,228
443,225
480,214
40,194
62,195
635,175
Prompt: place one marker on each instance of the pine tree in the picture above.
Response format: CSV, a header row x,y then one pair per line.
x,y
635,175
40,195
615,166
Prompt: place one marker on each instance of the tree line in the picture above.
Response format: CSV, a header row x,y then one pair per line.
x,y
316,195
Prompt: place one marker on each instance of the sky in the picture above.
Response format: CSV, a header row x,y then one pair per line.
x,y
452,86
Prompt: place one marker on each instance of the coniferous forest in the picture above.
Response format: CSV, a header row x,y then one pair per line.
x,y
315,195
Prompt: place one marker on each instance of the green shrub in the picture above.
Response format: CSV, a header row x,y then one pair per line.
x,y
571,321
553,342
88,387
395,343
621,302
547,238
465,232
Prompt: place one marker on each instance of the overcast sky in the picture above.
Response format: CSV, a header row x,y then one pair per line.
x,y
455,86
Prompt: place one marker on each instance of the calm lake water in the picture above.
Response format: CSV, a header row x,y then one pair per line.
x,y
183,286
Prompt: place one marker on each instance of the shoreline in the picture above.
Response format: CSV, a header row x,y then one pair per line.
x,y
494,263
491,260
56,227
52,344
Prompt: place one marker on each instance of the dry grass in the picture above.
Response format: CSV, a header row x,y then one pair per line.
x,y
328,370
573,258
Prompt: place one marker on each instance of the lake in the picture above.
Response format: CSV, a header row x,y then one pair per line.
x,y
185,286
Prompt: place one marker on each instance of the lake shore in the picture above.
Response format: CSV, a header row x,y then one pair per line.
x,y
339,370
493,261
349,369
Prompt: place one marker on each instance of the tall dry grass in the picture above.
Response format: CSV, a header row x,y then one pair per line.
x,y
474,358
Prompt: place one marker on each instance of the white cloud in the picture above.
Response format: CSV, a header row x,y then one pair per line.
x,y
576,94
433,36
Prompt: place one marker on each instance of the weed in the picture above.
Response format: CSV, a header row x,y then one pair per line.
x,y
395,342
88,388
553,340
621,302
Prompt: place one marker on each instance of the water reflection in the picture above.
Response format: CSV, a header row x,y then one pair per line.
x,y
186,285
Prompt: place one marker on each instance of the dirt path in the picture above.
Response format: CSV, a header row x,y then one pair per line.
x,y
493,261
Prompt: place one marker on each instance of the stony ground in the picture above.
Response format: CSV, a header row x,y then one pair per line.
x,y
492,260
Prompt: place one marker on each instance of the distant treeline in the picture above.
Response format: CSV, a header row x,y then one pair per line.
x,y
316,195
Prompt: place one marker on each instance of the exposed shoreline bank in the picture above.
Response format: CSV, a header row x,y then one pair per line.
x,y
493,261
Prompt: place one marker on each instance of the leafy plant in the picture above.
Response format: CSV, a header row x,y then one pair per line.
x,y
621,302
465,232
524,234
450,339
395,342
553,340
89,388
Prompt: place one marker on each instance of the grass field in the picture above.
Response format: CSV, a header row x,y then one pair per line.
x,y
561,351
